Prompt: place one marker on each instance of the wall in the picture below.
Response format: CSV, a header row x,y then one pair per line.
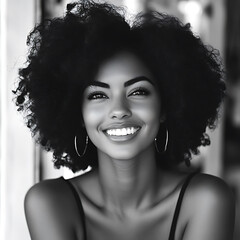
x,y
17,148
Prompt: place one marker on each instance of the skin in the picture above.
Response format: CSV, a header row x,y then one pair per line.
x,y
124,173
128,196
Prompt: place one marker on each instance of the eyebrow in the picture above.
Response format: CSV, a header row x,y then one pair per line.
x,y
137,79
126,84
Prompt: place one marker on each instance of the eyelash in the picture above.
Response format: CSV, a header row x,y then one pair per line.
x,y
96,95
136,92
140,92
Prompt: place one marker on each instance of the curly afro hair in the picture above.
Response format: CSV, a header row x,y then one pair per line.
x,y
64,57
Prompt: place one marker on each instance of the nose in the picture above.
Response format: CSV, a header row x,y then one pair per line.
x,y
119,110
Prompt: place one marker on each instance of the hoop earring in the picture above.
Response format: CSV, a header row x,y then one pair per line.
x,y
76,148
165,145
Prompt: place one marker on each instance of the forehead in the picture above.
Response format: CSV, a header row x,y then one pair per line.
x,y
122,67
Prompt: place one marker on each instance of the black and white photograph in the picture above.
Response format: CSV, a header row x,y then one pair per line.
x,y
119,120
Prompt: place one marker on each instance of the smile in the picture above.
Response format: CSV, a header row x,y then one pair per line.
x,y
122,131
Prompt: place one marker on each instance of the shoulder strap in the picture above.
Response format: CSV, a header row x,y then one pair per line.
x,y
178,206
79,204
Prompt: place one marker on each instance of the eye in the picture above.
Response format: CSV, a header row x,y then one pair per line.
x,y
96,96
139,92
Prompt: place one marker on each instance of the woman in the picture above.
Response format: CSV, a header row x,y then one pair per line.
x,y
132,102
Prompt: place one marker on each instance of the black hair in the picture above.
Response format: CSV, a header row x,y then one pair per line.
x,y
64,57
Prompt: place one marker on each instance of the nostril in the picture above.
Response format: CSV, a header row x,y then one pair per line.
x,y
119,110
120,114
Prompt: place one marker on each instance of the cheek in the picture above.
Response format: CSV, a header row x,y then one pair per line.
x,y
91,116
153,116
150,111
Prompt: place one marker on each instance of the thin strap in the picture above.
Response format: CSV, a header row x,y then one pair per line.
x,y
178,206
80,207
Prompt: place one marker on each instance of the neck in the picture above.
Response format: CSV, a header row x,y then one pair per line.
x,y
128,184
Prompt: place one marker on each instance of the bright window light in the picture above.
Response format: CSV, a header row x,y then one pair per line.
x,y
3,134
192,11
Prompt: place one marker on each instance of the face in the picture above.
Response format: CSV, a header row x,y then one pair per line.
x,y
121,109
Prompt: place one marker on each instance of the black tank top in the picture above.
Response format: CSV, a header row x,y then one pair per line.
x,y
175,216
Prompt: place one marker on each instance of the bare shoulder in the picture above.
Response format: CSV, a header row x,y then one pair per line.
x,y
46,192
205,187
50,210
45,185
210,208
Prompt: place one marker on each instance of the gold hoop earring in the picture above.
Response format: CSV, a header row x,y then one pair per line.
x,y
76,148
165,145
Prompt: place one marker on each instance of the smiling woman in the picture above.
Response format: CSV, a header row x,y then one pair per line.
x,y
131,101
122,113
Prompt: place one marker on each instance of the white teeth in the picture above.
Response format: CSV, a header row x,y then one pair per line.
x,y
122,131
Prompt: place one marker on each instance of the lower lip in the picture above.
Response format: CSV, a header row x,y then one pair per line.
x,y
122,138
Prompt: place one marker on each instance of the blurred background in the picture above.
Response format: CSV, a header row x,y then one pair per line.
x,y
23,163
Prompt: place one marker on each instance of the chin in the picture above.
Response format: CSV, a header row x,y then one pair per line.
x,y
124,153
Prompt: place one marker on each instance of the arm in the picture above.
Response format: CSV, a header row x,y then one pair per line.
x,y
212,210
49,213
